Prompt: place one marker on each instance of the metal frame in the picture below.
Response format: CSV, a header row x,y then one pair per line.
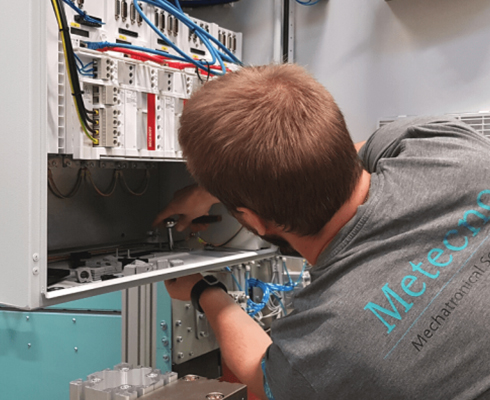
x,y
139,325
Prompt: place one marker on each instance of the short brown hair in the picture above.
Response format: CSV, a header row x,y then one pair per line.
x,y
273,140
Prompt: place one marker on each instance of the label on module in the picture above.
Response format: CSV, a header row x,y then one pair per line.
x,y
150,131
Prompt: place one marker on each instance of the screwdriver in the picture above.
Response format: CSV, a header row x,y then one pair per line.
x,y
205,219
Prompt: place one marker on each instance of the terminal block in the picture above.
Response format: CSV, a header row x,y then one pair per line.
x,y
110,95
105,69
110,121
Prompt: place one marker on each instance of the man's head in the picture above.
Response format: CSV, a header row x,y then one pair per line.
x,y
271,140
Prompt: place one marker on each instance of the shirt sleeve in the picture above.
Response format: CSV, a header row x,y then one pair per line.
x,y
387,141
282,380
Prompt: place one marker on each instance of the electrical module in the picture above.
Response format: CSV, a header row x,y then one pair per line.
x,y
136,65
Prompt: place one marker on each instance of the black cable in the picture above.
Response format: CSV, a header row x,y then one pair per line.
x,y
208,71
77,92
285,32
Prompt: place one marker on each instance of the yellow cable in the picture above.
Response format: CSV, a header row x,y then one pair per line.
x,y
82,123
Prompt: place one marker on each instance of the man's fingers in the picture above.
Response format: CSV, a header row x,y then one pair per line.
x,y
163,215
199,227
183,223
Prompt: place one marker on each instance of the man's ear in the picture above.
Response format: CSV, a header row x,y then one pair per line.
x,y
253,220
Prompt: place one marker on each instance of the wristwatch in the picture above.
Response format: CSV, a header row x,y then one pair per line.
x,y
206,282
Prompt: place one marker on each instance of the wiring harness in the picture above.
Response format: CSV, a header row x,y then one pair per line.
x,y
84,173
218,52
86,122
272,293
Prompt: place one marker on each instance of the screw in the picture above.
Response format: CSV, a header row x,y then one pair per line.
x,y
187,306
191,353
29,345
166,357
163,325
179,339
76,349
35,257
165,342
74,320
178,323
189,329
180,355
27,318
202,334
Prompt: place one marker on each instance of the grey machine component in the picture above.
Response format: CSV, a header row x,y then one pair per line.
x,y
192,334
193,387
122,383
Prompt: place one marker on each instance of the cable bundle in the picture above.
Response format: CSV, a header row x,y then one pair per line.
x,y
217,56
83,14
269,289
71,68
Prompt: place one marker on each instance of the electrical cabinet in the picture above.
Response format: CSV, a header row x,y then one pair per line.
x,y
77,212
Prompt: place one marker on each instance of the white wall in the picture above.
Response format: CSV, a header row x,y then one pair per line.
x,y
400,57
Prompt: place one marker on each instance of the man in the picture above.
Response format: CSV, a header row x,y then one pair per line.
x,y
397,307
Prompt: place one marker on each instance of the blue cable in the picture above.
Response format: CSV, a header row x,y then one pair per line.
x,y
235,279
101,45
82,69
268,288
83,14
177,3
200,32
307,3
166,7
254,308
194,27
165,38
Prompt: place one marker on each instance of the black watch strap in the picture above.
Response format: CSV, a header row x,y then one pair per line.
x,y
206,282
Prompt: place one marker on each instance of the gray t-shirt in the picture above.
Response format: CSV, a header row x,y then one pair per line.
x,y
399,304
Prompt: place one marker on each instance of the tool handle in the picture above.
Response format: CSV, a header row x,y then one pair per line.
x,y
207,219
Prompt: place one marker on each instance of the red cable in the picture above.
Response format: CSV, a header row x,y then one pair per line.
x,y
137,55
140,56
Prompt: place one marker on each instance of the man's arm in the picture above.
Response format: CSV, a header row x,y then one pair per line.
x,y
242,341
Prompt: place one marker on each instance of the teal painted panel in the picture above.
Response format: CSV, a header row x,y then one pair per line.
x,y
164,314
41,353
109,301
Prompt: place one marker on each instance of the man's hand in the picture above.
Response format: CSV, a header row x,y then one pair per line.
x,y
188,203
180,288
